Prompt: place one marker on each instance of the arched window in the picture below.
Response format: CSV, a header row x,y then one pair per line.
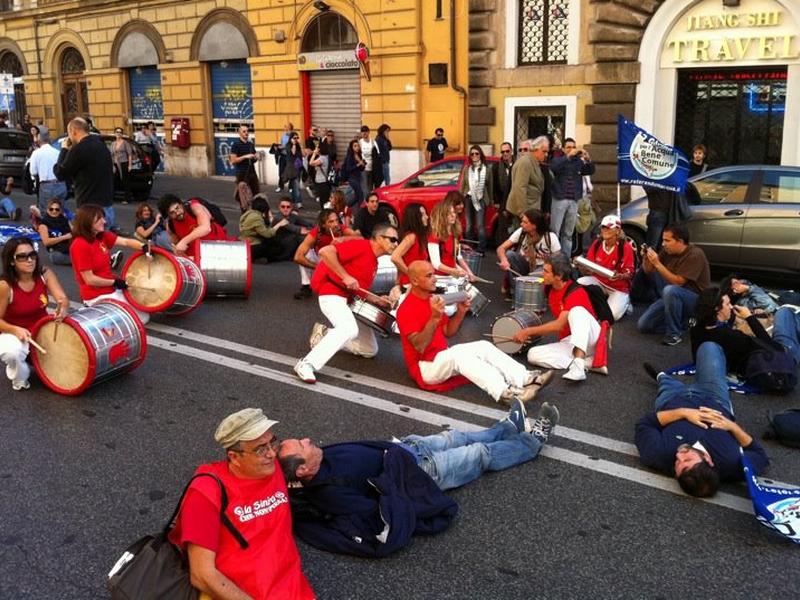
x,y
329,31
72,62
9,63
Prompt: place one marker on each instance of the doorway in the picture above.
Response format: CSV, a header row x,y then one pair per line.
x,y
74,90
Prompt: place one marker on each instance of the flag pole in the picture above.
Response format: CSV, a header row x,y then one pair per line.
x,y
619,212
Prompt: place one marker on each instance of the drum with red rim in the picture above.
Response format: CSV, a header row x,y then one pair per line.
x,y
90,345
171,284
227,266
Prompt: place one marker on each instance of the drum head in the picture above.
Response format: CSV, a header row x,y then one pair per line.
x,y
507,325
153,285
68,365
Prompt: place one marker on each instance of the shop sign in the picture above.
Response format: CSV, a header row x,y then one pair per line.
x,y
757,31
327,61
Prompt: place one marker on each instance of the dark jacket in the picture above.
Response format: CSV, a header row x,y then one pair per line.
x,y
736,345
337,517
384,148
89,166
657,445
568,177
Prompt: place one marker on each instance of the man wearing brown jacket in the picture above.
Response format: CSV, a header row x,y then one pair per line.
x,y
527,180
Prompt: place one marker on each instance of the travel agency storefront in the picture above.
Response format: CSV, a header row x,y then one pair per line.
x,y
724,76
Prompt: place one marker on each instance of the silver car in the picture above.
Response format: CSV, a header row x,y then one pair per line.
x,y
744,217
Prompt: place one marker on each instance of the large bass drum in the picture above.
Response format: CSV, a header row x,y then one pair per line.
x,y
167,283
91,345
507,325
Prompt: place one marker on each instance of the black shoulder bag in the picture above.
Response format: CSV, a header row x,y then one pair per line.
x,y
152,568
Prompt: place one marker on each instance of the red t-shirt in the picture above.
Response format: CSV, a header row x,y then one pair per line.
x,y
259,509
414,253
597,254
94,257
189,223
558,304
26,308
447,251
357,258
323,238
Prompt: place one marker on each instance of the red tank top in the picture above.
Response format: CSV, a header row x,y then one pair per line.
x,y
25,308
414,253
189,223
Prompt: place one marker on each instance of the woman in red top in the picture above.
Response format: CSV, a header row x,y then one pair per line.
x,y
443,243
91,260
24,289
613,252
338,203
414,234
328,230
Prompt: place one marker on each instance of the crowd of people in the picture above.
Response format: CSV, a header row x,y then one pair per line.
x,y
691,434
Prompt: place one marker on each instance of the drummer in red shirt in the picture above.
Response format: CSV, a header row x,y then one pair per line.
x,y
91,261
613,252
346,269
190,223
444,241
258,510
575,323
24,289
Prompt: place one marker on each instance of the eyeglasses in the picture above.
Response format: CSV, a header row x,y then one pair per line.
x,y
262,450
523,150
391,238
286,206
26,256
474,153
505,151
54,209
174,212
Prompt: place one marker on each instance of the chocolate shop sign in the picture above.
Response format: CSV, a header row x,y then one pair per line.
x,y
755,32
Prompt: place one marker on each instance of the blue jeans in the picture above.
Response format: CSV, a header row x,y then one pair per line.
x,y
49,190
709,381
786,331
294,189
8,207
453,458
656,221
358,193
161,239
563,217
386,174
475,220
670,314
111,218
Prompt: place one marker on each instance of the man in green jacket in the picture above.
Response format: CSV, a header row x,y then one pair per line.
x,y
527,179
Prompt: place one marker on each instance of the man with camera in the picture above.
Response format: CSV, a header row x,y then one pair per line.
x,y
568,171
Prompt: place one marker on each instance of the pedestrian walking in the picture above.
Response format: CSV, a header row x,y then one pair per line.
x,y
293,168
384,152
122,154
352,168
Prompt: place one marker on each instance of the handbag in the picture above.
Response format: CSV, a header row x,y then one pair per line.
x,y
152,568
586,217
770,369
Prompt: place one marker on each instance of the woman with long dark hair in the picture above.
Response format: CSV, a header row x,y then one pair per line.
x,y
24,289
526,249
384,151
55,231
478,189
414,233
351,172
91,260
293,168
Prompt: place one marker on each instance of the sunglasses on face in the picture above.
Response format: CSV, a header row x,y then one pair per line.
x,y
523,150
391,238
505,151
26,256
53,209
474,153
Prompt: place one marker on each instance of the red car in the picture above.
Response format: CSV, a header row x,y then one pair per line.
x,y
428,187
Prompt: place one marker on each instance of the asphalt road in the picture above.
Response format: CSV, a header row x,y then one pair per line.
x,y
81,478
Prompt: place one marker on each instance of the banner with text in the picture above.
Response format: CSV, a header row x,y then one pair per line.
x,y
777,506
644,160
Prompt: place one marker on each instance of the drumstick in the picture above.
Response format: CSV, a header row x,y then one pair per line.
x,y
369,293
37,346
55,332
502,338
512,271
333,235
482,280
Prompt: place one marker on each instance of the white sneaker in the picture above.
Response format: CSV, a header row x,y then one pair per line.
x,y
317,333
576,370
20,385
602,370
278,190
305,371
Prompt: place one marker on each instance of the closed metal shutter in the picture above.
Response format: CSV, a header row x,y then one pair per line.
x,y
145,85
336,104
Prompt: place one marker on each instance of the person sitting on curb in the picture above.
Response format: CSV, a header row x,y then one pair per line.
x,y
692,434
675,275
369,498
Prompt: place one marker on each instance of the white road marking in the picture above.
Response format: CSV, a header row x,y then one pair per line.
x,y
391,387
561,454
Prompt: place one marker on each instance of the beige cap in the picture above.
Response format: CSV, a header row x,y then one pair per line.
x,y
242,426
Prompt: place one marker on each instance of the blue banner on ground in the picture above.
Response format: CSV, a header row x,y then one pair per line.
x,y
644,160
776,506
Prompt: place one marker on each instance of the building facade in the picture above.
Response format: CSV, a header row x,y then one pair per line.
x,y
722,73
222,63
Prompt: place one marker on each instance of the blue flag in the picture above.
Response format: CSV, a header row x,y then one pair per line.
x,y
776,506
644,160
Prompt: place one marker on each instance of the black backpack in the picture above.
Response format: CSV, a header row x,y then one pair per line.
x,y
785,428
770,369
216,211
598,299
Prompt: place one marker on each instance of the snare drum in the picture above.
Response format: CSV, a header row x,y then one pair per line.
x,y
385,276
507,325
446,284
227,266
171,284
478,301
529,294
91,345
372,316
473,259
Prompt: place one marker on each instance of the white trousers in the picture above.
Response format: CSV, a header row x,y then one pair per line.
x,y
345,333
305,272
118,295
618,301
14,353
481,362
584,333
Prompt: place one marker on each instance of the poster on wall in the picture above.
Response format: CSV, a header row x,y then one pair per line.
x,y
231,105
7,103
